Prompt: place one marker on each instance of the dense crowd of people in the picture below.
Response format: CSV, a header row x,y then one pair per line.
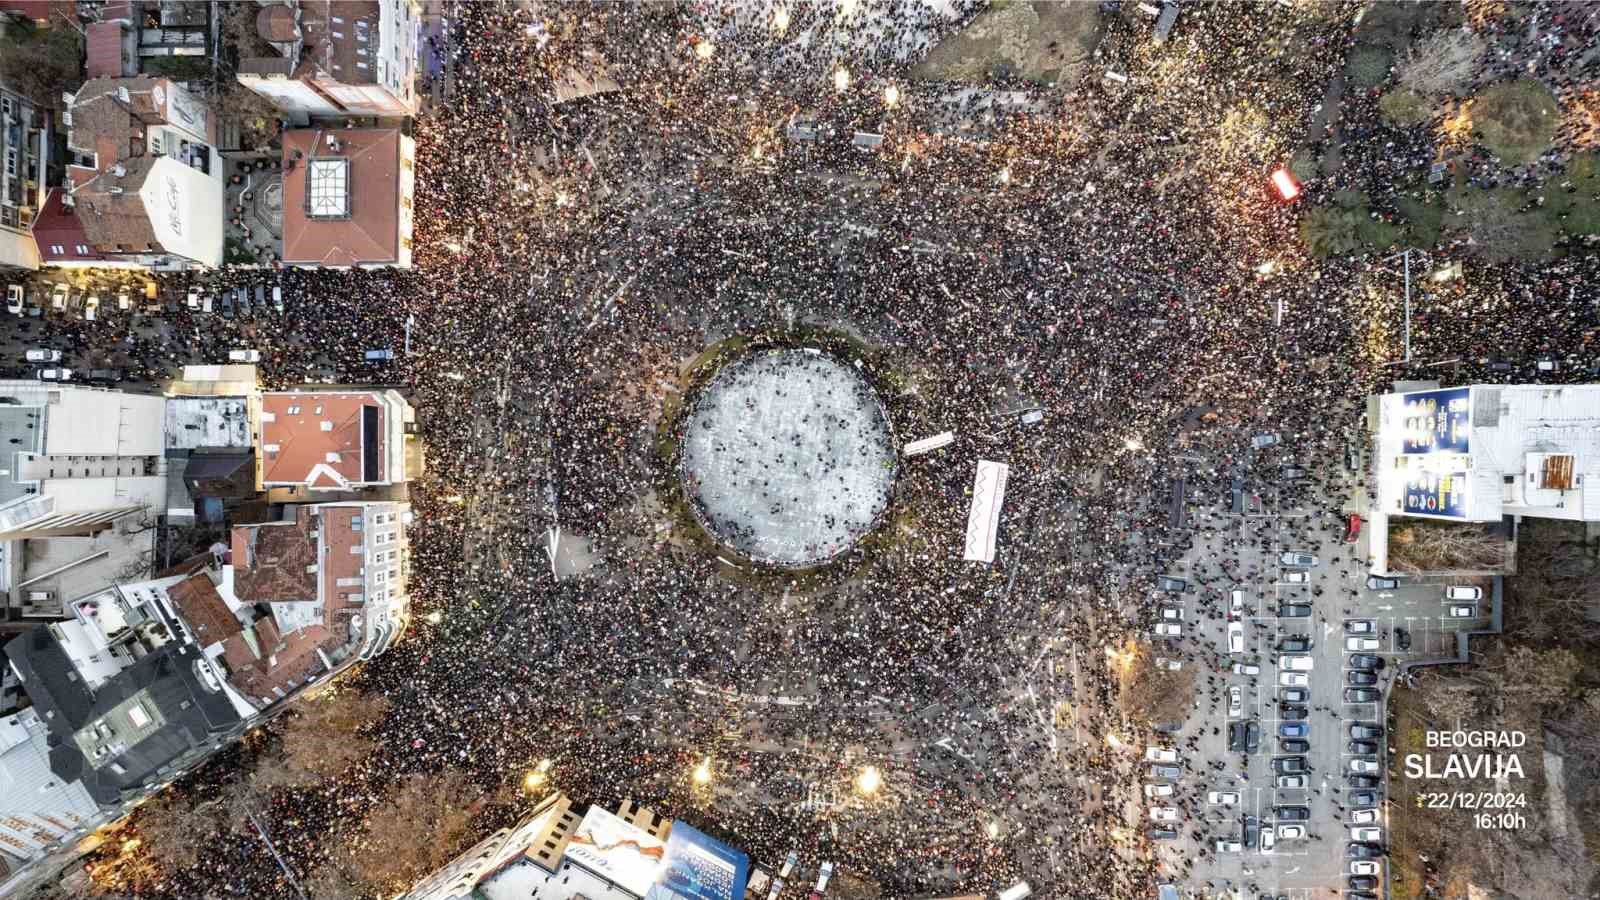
x,y
1108,254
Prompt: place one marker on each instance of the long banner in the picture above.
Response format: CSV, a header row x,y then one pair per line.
x,y
988,494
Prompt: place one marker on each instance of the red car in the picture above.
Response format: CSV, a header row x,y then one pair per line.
x,y
1352,528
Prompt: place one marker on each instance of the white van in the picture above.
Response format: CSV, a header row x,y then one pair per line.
x,y
823,874
244,356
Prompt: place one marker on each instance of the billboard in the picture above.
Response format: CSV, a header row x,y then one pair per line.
x,y
1437,421
988,494
1436,494
700,867
621,853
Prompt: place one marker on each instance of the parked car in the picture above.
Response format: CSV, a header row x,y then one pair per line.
x,y
1236,637
277,298
1363,799
1293,745
1463,612
53,374
1382,583
1361,695
1362,883
1294,729
1366,834
1352,527
244,356
227,302
1151,791
1294,679
1402,639
1251,826
1460,592
1360,766
1293,473
1364,782
1223,798
1171,665
1297,662
382,354
1236,602
105,376
193,300
1161,834
1292,813
1246,669
1286,782
1263,441
1294,643
1362,851
1244,737
1365,748
1164,814
1171,585
1298,559
1289,765
1360,626
1228,845
1169,630
1294,610
1365,867
1290,713
1235,701
1362,816
1291,832
1160,754
789,864
1353,644
1298,576
1365,731
1352,456
1365,661
823,874
124,300
1294,695
43,355
1171,614
1360,678
14,295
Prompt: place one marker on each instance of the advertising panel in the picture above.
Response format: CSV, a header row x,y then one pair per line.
x,y
700,867
1438,421
1437,494
611,848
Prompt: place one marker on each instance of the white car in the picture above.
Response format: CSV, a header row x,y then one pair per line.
x,y
1228,845
244,356
1246,669
1291,781
1362,643
1463,593
124,300
1164,814
1462,612
1367,835
1235,637
1364,867
1291,832
1235,702
1269,839
14,299
1363,766
823,874
1360,626
55,374
193,300
91,307
1160,754
1223,798
1169,630
43,355
1299,662
1171,614
1152,791
1294,679
1296,577
1363,816
58,298
1171,665
1236,602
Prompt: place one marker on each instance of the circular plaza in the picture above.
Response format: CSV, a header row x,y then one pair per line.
x,y
788,457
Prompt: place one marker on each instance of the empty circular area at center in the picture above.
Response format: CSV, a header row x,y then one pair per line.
x,y
788,458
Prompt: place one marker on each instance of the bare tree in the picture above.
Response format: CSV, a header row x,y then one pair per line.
x,y
421,824
1437,547
1543,677
1152,693
322,736
1444,63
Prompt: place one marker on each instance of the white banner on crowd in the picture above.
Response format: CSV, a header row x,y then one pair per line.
x,y
988,493
941,439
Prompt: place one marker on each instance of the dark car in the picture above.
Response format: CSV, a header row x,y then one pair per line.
x,y
1402,639
1161,834
1361,695
1292,813
1293,473
1364,800
1365,661
1380,583
1360,678
1291,713
1252,831
1360,895
1167,727
1289,765
1294,695
1294,729
1364,782
1362,882
1170,772
1362,851
1294,643
105,376
1365,731
1293,610
1364,748
1244,737
227,304
1293,745
1171,585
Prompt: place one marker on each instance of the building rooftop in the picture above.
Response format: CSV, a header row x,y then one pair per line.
x,y
194,422
276,562
323,439
342,196
36,805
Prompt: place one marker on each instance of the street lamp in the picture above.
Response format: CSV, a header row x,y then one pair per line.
x,y
780,20
702,772
1005,175
841,79
891,96
869,780
994,830
435,617
704,49
541,773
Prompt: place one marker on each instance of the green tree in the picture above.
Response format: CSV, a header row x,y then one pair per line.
x,y
1515,120
1368,67
1403,106
42,64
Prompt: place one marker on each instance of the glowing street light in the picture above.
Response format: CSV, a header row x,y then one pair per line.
x,y
1005,175
541,773
1133,444
702,772
704,49
841,79
994,830
435,617
1267,268
891,96
780,20
869,780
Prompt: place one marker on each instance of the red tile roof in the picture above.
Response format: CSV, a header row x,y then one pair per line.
x,y
105,50
299,448
57,226
202,608
372,232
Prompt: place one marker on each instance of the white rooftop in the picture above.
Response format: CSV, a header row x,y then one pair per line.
x,y
194,422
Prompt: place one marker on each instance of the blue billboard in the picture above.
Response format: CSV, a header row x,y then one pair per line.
x,y
699,867
1437,494
1438,421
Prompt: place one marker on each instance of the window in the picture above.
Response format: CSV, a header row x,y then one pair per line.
x,y
83,249
11,161
328,189
294,410
138,716
58,250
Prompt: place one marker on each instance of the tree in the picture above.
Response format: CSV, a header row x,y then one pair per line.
x,y
41,64
1543,677
1515,120
1367,66
1403,106
1330,231
1435,547
418,826
322,736
1444,63
1499,225
1149,693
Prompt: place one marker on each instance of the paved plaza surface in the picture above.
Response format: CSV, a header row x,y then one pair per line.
x,y
788,457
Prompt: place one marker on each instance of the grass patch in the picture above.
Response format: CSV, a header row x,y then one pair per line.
x,y
1402,106
1515,120
1499,227
1424,219
1570,204
1305,165
1368,66
1346,226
